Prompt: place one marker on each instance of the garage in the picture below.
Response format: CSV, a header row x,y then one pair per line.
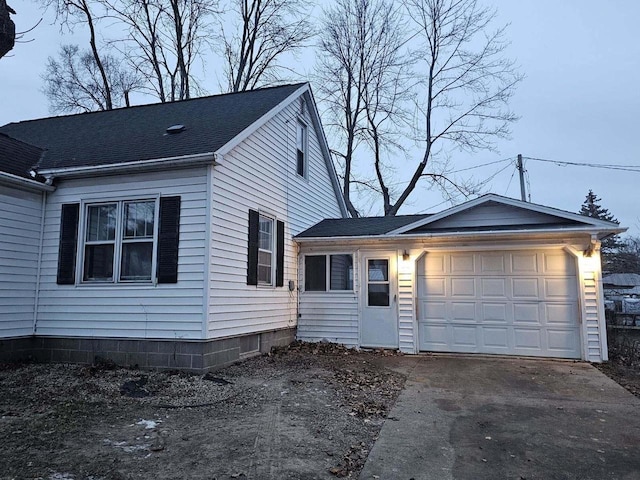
x,y
521,302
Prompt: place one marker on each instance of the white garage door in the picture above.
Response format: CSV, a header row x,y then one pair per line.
x,y
514,302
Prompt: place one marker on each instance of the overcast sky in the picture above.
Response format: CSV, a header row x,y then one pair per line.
x,y
579,102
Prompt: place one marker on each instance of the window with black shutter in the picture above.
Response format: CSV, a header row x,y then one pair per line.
x,y
265,256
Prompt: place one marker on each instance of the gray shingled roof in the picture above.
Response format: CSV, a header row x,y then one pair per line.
x,y
356,227
17,157
139,133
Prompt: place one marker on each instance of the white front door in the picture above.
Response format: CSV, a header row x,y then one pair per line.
x,y
379,319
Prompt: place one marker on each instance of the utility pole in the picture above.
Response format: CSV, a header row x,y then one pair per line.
x,y
523,193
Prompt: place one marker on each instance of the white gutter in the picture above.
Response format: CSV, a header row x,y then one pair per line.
x,y
125,167
456,235
16,181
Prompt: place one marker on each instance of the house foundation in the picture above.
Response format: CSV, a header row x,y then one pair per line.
x,y
197,356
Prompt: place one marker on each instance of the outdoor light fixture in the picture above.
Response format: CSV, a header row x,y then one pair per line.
x,y
405,255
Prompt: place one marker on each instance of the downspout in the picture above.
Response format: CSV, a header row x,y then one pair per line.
x,y
38,268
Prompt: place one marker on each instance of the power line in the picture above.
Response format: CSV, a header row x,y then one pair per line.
x,y
515,169
626,168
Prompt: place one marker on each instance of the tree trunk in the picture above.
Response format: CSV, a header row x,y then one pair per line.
x,y
7,30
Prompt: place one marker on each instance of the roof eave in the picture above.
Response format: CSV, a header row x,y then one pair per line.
x,y
139,166
484,235
11,180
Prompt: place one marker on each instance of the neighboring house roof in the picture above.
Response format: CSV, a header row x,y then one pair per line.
x,y
354,227
486,214
628,280
140,133
18,158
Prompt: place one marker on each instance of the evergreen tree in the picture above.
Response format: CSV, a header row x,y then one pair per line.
x,y
592,208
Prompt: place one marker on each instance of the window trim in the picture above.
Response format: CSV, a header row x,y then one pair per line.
x,y
272,219
327,273
301,122
117,251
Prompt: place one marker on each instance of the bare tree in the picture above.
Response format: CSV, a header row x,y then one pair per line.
x,y
72,13
7,29
361,66
165,38
267,29
466,82
73,82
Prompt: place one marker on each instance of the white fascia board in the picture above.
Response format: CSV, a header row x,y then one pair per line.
x,y
478,235
130,167
492,197
326,153
244,134
24,183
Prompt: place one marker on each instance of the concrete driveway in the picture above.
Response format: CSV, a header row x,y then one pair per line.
x,y
464,417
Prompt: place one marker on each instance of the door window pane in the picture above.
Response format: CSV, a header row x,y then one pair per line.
x,y
341,272
378,270
378,294
315,273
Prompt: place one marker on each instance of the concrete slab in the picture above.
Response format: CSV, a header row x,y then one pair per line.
x,y
468,417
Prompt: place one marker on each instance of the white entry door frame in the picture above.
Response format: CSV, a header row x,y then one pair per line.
x,y
379,300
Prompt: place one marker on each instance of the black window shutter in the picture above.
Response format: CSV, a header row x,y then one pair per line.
x,y
279,253
168,237
252,254
68,244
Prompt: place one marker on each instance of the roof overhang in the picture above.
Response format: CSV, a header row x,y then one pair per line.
x,y
21,183
556,234
183,161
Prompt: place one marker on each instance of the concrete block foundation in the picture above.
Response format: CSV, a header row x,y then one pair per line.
x,y
195,355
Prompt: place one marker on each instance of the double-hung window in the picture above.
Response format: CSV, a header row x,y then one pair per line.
x,y
119,241
332,271
301,149
265,251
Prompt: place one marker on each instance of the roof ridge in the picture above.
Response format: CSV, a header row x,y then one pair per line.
x,y
147,105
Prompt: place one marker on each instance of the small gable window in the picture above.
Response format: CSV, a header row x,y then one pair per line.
x,y
301,149
265,259
332,271
121,241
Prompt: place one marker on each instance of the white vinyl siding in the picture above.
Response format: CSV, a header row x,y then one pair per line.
x,y
595,335
330,315
260,174
163,311
494,214
20,220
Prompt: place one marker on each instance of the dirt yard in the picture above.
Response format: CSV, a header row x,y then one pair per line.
x,y
624,361
307,411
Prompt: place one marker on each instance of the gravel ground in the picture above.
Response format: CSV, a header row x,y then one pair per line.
x,y
306,411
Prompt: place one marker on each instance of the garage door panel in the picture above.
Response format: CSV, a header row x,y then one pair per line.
x,y
524,263
559,313
494,312
464,336
561,340
525,288
560,288
492,264
434,311
515,302
495,338
463,287
435,337
526,313
527,338
558,263
463,311
434,287
493,287
462,263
